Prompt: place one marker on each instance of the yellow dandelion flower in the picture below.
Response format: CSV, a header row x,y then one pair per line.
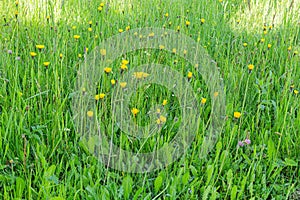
x,y
187,23
113,81
163,119
237,115
135,111
165,101
140,75
265,32
90,29
203,100
102,4
99,96
190,75
127,28
161,47
125,62
158,121
289,48
123,84
33,54
245,44
262,40
103,52
151,34
76,37
123,67
296,92
40,46
157,110
90,22
107,70
90,113
250,66
296,53
100,8
174,50
60,55
79,55
269,46
120,30
74,27
202,20
167,15
46,64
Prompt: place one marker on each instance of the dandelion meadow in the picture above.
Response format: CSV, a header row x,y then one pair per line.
x,y
149,99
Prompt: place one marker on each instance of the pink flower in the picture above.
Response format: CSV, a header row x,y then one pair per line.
x,y
240,143
247,141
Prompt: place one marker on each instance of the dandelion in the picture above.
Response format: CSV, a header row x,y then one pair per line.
x,y
163,119
295,53
151,34
175,62
165,101
135,111
157,111
125,62
203,101
238,21
187,23
17,3
90,29
48,17
90,23
202,20
170,23
113,82
60,55
103,52
101,4
127,28
123,84
250,67
100,8
173,50
123,67
296,92
140,75
79,55
40,46
178,28
167,15
120,30
161,47
190,75
33,54
16,14
245,44
76,37
90,113
46,64
289,48
265,32
237,115
184,52
262,40
269,46
74,27
99,96
107,70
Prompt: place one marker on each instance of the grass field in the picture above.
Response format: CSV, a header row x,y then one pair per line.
x,y
44,47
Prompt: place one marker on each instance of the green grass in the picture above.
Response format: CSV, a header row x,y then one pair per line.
x,y
42,155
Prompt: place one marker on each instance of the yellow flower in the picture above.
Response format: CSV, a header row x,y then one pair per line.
x,y
262,40
102,4
99,96
203,100
289,48
127,28
157,110
174,50
125,62
46,64
123,67
165,101
113,81
123,84
170,23
103,52
187,23
162,118
190,75
295,53
216,94
158,121
16,13
120,30
269,46
140,75
33,54
251,67
40,46
296,92
178,28
79,55
76,37
161,47
73,27
245,44
265,32
151,34
237,115
90,29
100,8
60,55
17,3
238,21
134,111
167,15
184,52
48,17
90,113
107,70
202,20
90,22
